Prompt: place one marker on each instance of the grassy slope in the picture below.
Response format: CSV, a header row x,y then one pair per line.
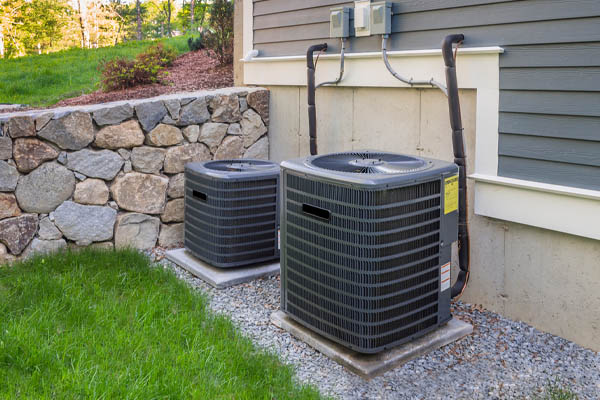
x,y
106,325
42,80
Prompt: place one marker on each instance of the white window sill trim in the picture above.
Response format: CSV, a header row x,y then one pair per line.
x,y
560,208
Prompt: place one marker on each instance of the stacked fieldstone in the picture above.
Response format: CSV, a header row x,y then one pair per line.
x,y
111,175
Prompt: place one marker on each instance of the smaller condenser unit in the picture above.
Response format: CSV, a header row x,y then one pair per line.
x,y
232,211
366,245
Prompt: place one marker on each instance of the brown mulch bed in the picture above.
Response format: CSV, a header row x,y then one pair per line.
x,y
190,72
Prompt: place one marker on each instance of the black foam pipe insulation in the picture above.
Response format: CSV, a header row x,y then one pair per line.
x,y
312,111
460,160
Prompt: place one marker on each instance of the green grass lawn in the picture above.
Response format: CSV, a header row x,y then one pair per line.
x,y
108,325
42,80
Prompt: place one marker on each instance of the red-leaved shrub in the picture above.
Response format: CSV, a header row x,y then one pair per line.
x,y
147,67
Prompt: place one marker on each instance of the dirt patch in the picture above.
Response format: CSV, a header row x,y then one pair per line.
x,y
190,72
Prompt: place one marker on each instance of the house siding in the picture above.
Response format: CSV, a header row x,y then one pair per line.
x,y
549,121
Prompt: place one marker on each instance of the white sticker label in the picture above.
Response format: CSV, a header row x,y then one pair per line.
x,y
445,276
278,239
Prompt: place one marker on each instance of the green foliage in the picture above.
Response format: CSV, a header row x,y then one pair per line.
x,y
40,23
32,26
109,325
42,80
196,44
184,19
127,18
161,20
43,26
147,67
555,390
220,36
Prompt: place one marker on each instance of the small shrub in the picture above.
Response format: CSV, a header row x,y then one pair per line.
x,y
147,67
196,44
158,54
117,73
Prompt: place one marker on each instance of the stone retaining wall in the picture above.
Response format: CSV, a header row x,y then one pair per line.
x,y
112,174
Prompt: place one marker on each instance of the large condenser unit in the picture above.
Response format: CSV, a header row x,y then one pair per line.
x,y
366,245
232,211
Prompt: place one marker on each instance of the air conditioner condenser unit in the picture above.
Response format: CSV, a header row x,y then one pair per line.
x,y
232,211
366,242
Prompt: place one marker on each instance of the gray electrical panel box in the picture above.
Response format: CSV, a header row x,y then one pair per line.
x,y
339,22
381,18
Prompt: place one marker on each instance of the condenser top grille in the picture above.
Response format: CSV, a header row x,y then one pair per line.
x,y
233,172
239,165
367,162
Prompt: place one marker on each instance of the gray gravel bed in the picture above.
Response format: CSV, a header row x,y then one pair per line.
x,y
502,359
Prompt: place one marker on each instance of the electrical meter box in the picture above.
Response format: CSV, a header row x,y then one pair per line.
x,y
339,22
381,18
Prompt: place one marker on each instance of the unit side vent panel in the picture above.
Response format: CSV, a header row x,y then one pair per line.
x,y
368,274
231,223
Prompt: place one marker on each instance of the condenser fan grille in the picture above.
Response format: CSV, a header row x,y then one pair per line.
x,y
239,165
370,163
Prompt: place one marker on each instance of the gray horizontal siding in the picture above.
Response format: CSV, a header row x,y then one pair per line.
x,y
422,24
552,55
550,102
262,7
568,151
585,79
268,41
580,176
558,126
549,74
403,21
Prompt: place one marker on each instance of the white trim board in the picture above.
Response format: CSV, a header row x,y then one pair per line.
x,y
558,208
248,26
391,54
477,68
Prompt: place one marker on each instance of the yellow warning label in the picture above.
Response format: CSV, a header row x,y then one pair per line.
x,y
451,194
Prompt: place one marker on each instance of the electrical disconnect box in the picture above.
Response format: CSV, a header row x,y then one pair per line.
x,y
339,22
362,18
381,18
370,18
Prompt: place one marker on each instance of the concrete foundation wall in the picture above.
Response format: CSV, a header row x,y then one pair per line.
x,y
546,278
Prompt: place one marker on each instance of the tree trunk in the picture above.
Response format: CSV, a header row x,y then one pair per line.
x,y
81,24
203,12
169,18
138,8
1,43
192,4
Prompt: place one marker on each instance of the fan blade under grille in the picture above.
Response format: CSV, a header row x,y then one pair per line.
x,y
369,163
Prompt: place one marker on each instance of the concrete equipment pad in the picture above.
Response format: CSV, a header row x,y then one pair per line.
x,y
220,278
369,366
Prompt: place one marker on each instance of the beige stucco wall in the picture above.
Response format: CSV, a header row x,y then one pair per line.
x,y
548,279
238,43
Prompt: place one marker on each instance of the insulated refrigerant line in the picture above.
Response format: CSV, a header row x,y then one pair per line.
x,y
310,84
458,147
460,159
310,80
